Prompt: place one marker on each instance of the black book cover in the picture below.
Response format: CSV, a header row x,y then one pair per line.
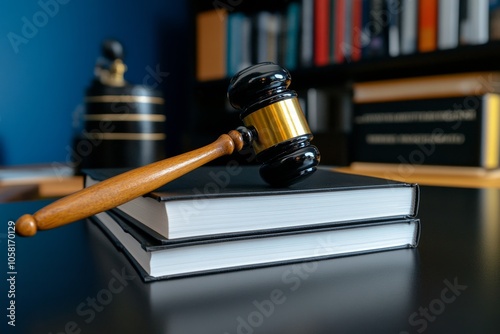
x,y
225,181
151,242
376,30
219,200
453,131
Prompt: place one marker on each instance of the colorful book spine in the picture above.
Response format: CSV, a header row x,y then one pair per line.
x,y
427,25
292,36
357,29
234,37
211,43
341,31
321,32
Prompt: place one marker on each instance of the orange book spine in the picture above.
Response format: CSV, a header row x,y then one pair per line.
x,y
357,22
211,43
427,25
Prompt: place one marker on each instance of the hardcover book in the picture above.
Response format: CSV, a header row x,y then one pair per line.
x,y
357,30
225,296
211,44
307,34
321,32
409,27
156,260
474,22
448,24
394,9
292,36
376,29
427,25
454,131
238,43
340,31
427,87
215,200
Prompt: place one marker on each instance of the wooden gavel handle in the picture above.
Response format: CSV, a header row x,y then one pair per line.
x,y
122,188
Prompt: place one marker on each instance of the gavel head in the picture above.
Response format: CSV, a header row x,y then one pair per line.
x,y
274,120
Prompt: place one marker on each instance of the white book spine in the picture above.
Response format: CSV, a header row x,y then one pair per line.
x,y
273,38
394,8
306,50
262,36
448,24
409,12
475,27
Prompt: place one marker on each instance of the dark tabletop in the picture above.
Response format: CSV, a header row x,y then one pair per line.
x,y
73,280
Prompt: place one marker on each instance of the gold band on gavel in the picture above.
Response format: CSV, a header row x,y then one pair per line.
x,y
277,123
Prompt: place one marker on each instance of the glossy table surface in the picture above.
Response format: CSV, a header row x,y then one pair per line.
x,y
72,280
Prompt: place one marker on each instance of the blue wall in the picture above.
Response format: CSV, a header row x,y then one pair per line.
x,y
48,49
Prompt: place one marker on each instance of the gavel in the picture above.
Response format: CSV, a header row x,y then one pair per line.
x,y
274,127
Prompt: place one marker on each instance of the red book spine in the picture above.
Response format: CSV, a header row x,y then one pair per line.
x,y
321,32
340,22
427,25
357,22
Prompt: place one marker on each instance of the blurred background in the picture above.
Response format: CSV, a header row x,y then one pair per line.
x,y
48,52
346,62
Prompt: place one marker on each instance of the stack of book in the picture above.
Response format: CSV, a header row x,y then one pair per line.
x,y
226,218
449,121
306,33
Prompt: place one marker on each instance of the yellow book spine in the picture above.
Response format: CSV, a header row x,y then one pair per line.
x,y
491,131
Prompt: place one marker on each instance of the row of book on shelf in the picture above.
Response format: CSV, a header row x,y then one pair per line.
x,y
309,33
225,218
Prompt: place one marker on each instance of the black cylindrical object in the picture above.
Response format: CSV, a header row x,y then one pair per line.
x,y
123,124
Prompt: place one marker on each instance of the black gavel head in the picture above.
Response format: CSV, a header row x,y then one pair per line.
x,y
272,115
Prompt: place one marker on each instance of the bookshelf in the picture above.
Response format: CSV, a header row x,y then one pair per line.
x,y
212,115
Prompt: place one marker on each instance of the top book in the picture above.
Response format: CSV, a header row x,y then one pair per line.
x,y
427,87
234,199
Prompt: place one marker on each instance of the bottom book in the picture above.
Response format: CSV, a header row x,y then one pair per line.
x,y
154,259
